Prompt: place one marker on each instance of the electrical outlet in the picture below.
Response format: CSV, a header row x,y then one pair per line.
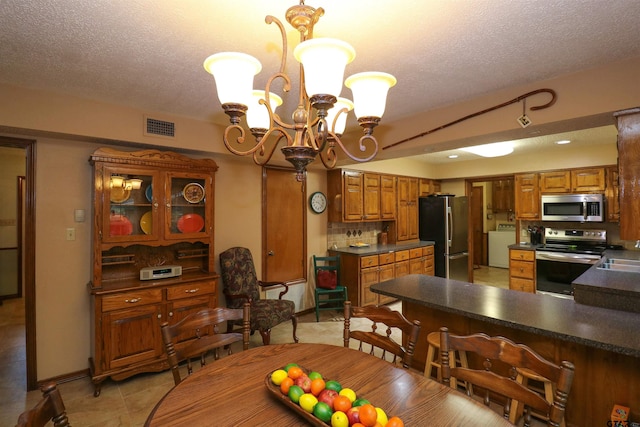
x,y
71,234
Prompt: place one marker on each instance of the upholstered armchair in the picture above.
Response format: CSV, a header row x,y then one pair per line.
x,y
240,284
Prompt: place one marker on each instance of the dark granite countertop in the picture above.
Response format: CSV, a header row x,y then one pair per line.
x,y
525,246
613,281
545,315
382,249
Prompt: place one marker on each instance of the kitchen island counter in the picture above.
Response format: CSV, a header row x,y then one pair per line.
x,y
603,344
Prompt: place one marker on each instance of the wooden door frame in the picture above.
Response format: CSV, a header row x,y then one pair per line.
x,y
29,254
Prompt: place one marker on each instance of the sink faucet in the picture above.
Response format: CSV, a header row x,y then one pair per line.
x,y
637,244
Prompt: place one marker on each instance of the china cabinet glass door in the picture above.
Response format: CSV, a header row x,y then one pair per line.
x,y
131,205
187,197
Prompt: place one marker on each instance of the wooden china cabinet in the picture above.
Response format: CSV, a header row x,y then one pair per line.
x,y
153,219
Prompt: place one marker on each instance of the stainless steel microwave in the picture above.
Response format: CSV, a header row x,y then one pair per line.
x,y
573,207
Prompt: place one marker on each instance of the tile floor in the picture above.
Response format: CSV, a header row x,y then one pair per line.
x,y
127,403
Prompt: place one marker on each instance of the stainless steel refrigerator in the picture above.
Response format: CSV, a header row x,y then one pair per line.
x,y
443,219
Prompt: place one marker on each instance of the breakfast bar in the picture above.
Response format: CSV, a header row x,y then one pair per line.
x,y
603,344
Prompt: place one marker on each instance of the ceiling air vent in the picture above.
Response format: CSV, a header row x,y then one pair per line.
x,y
155,127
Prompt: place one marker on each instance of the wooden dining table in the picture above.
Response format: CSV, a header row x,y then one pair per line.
x,y
231,391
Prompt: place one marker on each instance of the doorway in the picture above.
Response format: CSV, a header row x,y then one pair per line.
x,y
27,253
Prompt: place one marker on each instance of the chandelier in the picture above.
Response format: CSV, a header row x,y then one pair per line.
x,y
320,117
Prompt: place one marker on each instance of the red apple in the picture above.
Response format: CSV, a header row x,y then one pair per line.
x,y
304,382
327,397
353,415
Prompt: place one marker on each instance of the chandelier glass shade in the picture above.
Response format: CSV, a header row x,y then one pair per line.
x,y
320,117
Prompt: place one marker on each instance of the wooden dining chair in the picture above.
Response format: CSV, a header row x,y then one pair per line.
x,y
502,353
50,408
329,293
198,334
386,320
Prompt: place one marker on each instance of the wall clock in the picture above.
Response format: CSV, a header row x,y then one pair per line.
x,y
318,202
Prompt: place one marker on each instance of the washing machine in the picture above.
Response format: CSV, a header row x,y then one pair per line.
x,y
499,241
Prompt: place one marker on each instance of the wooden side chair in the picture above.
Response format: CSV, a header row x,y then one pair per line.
x,y
495,351
388,319
50,408
197,334
241,284
329,293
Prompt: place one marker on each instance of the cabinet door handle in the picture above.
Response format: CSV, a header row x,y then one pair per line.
x,y
171,314
159,316
132,300
191,291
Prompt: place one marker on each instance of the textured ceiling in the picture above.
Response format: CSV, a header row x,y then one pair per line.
x,y
149,53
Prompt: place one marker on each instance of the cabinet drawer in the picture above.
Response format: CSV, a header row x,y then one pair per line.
x,y
415,253
522,255
368,261
131,299
427,250
191,289
521,269
387,258
524,285
402,255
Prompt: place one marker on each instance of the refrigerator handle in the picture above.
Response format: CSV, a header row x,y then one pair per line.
x,y
460,255
450,226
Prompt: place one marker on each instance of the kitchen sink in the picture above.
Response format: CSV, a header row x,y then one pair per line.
x,y
619,264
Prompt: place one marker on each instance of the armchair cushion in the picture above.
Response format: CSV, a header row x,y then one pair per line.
x,y
266,314
327,279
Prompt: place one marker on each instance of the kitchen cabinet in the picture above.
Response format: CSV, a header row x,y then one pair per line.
x,y
387,197
588,180
356,196
428,187
555,182
360,271
612,194
151,209
628,123
503,195
527,196
522,270
407,220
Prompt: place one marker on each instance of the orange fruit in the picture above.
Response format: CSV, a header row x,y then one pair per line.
x,y
295,372
285,384
317,385
357,425
368,415
395,422
341,403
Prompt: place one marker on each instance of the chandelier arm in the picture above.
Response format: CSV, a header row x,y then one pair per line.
x,y
283,58
239,140
361,145
329,157
260,158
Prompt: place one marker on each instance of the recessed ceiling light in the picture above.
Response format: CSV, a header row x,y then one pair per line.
x,y
496,149
453,156
562,142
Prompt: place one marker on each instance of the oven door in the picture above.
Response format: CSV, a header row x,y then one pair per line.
x,y
555,271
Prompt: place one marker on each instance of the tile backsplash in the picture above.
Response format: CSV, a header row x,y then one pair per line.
x,y
344,234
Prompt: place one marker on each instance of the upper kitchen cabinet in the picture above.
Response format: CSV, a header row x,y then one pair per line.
x,y
503,195
428,187
356,196
628,122
151,208
527,196
588,180
555,182
407,221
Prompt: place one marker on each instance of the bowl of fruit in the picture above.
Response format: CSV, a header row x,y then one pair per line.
x,y
324,402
